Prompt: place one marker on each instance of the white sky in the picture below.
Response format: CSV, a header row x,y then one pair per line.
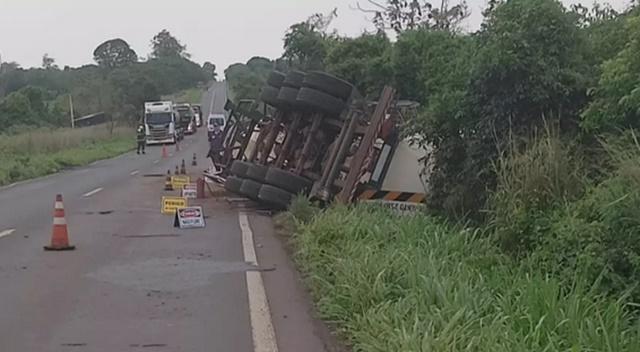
x,y
220,31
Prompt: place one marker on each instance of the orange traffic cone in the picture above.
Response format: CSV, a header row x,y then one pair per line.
x,y
164,152
60,236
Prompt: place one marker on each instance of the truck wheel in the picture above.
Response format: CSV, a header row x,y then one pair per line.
x,y
240,168
287,96
257,172
288,181
275,196
250,189
233,184
269,95
275,79
294,79
320,101
329,84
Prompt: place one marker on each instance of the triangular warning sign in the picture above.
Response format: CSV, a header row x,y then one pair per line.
x,y
176,220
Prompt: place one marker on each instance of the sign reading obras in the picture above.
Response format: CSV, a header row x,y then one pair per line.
x,y
178,182
171,204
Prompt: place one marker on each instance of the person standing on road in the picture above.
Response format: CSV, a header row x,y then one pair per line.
x,y
216,146
141,138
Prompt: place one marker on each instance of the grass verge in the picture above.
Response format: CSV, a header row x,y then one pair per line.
x,y
391,283
42,152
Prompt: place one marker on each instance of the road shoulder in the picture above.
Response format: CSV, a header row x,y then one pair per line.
x,y
296,324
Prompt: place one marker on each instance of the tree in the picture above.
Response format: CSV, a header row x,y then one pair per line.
x,y
364,61
306,43
210,70
166,45
401,15
616,102
49,63
114,53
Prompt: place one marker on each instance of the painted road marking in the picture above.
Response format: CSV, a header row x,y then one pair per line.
x,y
7,232
157,161
89,194
264,336
133,173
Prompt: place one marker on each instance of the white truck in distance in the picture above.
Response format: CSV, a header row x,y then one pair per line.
x,y
160,122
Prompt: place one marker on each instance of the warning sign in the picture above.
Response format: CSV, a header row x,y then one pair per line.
x,y
189,193
171,204
189,218
178,182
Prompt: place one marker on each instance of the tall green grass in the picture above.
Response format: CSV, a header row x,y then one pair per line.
x,y
44,151
189,96
392,283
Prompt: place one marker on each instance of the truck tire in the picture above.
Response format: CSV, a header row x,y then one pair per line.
x,y
275,79
275,196
329,84
240,168
288,181
320,101
250,189
287,96
294,79
257,172
269,96
233,184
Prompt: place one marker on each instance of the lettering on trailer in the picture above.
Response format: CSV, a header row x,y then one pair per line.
x,y
171,204
189,218
402,208
178,182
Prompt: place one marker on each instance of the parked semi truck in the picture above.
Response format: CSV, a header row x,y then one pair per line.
x,y
160,122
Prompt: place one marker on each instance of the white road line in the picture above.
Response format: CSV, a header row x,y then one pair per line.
x,y
89,194
156,161
264,336
133,173
7,232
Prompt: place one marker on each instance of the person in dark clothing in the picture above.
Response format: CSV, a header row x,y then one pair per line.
x,y
141,138
216,145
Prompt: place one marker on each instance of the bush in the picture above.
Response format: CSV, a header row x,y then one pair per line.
x,y
530,181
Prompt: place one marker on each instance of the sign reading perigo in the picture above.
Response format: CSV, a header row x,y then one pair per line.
x,y
189,218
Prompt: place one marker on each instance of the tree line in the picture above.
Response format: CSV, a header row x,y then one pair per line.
x,y
118,84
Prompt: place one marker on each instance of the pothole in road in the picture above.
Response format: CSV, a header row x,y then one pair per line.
x,y
149,236
168,274
154,175
100,212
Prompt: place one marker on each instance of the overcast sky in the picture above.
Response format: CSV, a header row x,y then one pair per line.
x,y
220,31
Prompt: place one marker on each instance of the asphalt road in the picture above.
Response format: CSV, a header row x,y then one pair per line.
x,y
135,283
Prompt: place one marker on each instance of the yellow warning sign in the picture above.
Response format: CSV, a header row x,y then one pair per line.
x,y
178,182
171,204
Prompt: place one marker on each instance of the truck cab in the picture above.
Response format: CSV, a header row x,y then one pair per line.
x,y
185,118
160,122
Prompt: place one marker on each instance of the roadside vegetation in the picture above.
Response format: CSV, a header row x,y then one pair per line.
x,y
45,151
190,96
531,240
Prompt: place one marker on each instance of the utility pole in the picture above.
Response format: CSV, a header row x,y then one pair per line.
x,y
73,121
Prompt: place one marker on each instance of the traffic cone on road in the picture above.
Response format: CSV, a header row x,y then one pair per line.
x,y
168,186
177,170
164,152
60,235
200,188
183,168
194,162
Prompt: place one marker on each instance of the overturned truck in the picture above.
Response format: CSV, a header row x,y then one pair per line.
x,y
314,134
